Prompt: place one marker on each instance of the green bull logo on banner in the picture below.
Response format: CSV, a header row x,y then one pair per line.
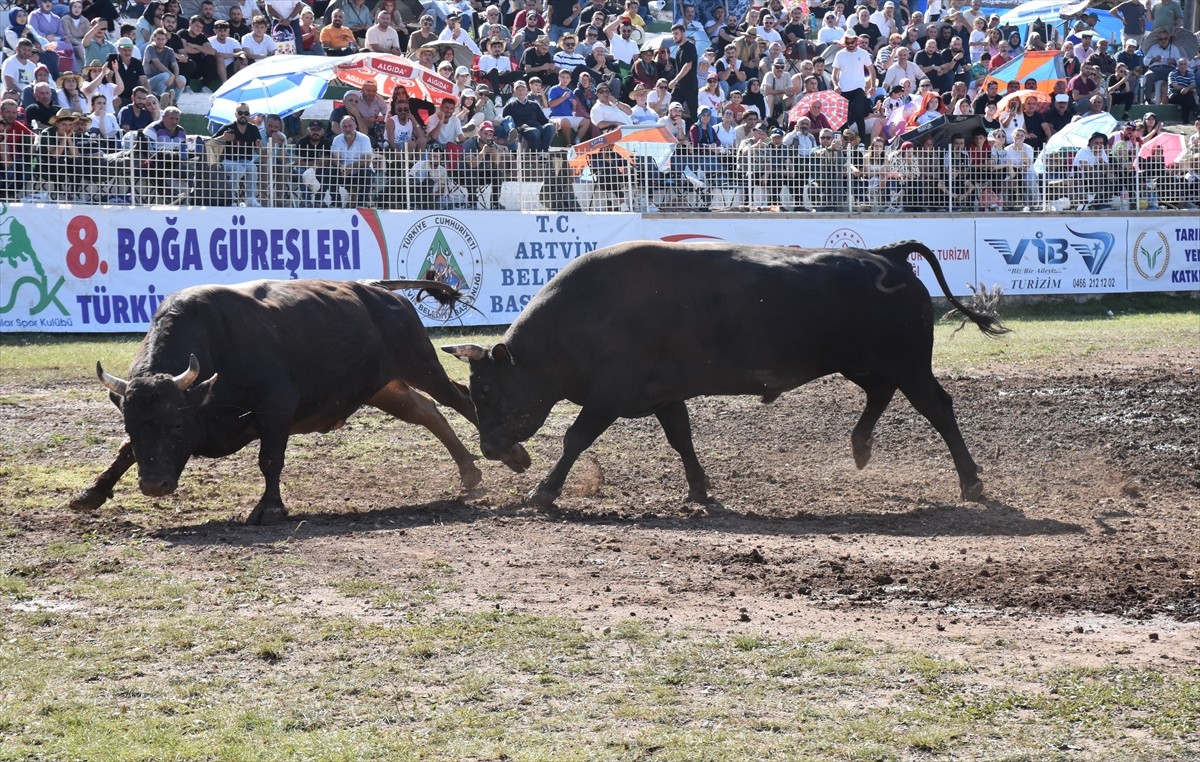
x,y
16,254
444,249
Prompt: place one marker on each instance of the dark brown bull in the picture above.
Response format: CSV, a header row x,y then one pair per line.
x,y
276,358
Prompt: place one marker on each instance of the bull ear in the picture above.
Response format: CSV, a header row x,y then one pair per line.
x,y
466,352
202,391
115,385
501,354
189,376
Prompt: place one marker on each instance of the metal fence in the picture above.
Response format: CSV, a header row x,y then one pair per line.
x,y
762,178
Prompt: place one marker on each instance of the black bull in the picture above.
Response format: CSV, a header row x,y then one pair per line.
x,y
639,328
292,357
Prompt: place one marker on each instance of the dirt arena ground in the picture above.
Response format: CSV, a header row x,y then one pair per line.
x,y
1086,550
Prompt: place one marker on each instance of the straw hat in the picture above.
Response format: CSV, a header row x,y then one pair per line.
x,y
63,115
65,76
93,65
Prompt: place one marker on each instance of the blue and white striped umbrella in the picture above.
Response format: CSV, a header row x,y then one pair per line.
x,y
282,93
1027,13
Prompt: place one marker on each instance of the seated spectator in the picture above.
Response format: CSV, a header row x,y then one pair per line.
x,y
443,127
659,98
239,26
404,132
454,32
62,160
431,179
641,112
1181,89
103,124
1091,170
166,145
309,42
423,35
43,108
675,122
336,38
372,112
134,117
382,37
486,162
566,111
704,149
242,142
314,163
530,122
497,66
352,155
609,113
162,69
226,52
70,95
258,44
349,107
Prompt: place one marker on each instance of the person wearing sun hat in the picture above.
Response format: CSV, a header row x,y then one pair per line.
x,y
70,92
61,158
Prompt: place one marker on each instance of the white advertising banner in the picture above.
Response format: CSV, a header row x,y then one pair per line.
x,y
498,260
1164,253
106,269
1052,255
952,240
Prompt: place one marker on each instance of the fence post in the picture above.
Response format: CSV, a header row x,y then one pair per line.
x,y
949,159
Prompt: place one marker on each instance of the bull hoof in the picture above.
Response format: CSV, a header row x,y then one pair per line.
x,y
88,500
470,475
517,459
699,496
267,513
862,452
973,492
543,498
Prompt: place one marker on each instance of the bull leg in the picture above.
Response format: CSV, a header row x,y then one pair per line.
x,y
406,404
456,397
102,488
271,451
589,425
678,428
932,401
879,396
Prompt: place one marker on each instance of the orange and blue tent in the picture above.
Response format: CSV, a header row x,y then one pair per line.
x,y
1045,66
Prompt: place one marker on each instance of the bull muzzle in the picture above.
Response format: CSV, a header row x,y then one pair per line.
x,y
157,486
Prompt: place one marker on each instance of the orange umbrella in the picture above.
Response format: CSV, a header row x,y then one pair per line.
x,y
651,141
1042,99
389,72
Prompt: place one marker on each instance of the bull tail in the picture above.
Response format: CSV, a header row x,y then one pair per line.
x,y
899,251
438,291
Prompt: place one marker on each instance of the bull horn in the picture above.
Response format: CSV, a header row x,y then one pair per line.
x,y
189,376
467,352
115,385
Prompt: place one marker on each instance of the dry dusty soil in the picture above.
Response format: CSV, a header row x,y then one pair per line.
x,y
1085,551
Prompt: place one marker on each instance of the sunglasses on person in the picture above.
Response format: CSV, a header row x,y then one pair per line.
x,y
242,113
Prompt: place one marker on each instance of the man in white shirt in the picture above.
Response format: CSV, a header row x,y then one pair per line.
x,y
351,152
767,31
830,32
853,77
608,112
443,126
258,44
885,19
226,49
18,69
622,47
901,67
382,37
455,33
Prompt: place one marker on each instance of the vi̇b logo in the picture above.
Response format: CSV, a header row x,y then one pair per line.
x,y
444,249
1092,248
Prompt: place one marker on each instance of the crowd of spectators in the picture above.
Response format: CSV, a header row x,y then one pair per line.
x,y
85,86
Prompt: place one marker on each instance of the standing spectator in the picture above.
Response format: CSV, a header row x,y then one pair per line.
x,y
287,12
351,153
1167,14
162,69
853,77
684,87
1181,89
1132,14
16,151
242,142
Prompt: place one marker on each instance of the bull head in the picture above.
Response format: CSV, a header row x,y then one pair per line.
x,y
184,381
474,352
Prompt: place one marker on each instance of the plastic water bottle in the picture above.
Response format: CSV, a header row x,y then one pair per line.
x,y
1125,201
1153,201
